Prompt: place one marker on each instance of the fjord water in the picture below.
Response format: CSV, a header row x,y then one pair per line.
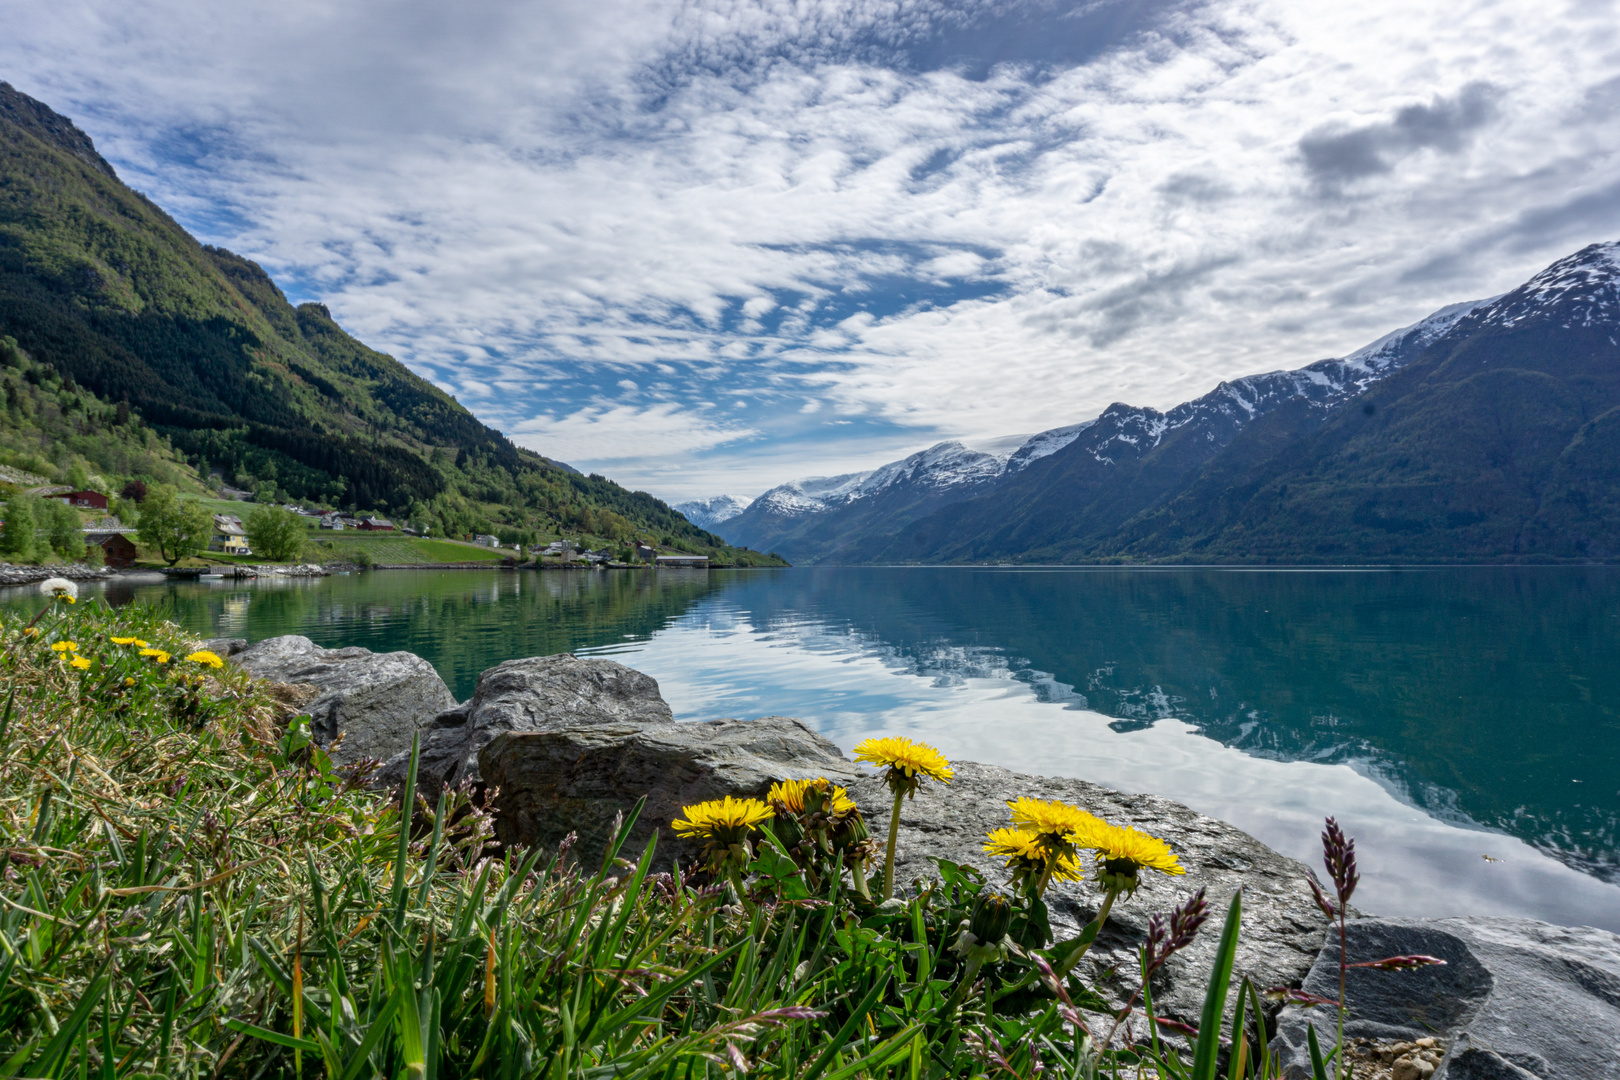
x,y
1464,724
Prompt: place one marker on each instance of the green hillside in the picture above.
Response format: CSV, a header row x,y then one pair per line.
x,y
157,357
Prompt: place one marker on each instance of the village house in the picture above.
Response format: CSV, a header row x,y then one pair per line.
x,y
333,521
85,500
376,524
229,537
117,550
485,540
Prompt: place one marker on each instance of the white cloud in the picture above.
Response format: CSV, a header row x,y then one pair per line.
x,y
521,195
618,433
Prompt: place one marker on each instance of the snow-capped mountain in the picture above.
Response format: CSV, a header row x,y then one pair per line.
x,y
779,519
707,513
1582,289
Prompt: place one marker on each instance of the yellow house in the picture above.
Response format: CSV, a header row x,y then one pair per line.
x,y
229,536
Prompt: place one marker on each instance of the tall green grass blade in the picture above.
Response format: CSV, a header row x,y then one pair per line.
x,y
1207,1049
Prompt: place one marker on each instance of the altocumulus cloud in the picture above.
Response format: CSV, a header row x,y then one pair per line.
x,y
608,225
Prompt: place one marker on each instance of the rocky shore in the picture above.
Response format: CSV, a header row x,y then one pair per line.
x,y
30,575
565,744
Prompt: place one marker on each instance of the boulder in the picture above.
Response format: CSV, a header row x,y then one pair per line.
x,y
539,693
1282,927
375,700
579,778
1516,1000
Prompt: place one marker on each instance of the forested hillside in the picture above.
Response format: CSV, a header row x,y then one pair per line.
x,y
162,354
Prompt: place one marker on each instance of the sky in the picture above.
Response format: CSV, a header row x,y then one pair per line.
x,y
705,247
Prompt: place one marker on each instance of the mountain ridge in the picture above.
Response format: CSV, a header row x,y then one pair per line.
x,y
790,518
101,286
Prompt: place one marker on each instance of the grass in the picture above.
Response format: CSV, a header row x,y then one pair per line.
x,y
192,888
393,548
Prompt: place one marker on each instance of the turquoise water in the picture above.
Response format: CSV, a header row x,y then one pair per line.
x,y
1464,723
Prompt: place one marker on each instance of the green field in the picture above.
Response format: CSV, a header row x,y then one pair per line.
x,y
388,548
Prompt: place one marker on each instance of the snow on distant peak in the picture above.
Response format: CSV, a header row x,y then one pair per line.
x,y
707,513
1044,444
1578,290
1408,341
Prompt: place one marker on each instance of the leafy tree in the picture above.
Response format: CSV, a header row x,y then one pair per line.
x,y
175,527
134,491
276,534
17,538
265,494
78,477
63,531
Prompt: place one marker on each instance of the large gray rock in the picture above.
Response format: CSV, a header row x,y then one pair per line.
x,y
577,779
1282,927
538,693
1516,1000
375,700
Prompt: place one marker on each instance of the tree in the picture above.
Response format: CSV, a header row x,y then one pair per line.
x,y
63,531
134,491
266,493
17,538
175,527
276,534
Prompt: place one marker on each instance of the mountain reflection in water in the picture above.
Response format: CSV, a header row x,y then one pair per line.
x,y
1485,698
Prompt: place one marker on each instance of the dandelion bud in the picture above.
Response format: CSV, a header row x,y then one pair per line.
x,y
1119,874
992,918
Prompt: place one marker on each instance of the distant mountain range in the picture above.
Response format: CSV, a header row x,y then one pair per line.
x,y
102,292
1489,431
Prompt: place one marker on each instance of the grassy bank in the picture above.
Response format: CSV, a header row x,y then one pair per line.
x,y
193,889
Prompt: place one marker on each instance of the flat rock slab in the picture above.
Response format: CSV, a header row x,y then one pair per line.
x,y
1282,927
1516,1000
377,701
578,779
534,694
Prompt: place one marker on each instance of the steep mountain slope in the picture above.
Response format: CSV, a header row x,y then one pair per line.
x,y
1487,432
1132,458
1499,442
1103,470
99,284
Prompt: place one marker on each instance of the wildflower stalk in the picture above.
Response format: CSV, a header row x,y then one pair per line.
x,y
1089,934
888,852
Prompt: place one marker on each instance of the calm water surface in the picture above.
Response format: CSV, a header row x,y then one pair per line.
x,y
1464,724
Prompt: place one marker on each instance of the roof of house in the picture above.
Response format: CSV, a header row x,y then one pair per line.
x,y
229,523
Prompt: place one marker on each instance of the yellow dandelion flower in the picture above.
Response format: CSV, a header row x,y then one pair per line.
x,y
206,658
906,759
157,654
30,631
79,662
128,681
789,796
1122,851
64,647
71,599
906,763
728,819
1056,820
1030,857
128,641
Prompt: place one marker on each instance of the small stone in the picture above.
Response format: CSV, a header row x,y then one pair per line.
x,y
1411,1068
1427,1044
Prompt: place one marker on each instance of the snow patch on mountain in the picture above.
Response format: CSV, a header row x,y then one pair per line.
x,y
1579,290
707,513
